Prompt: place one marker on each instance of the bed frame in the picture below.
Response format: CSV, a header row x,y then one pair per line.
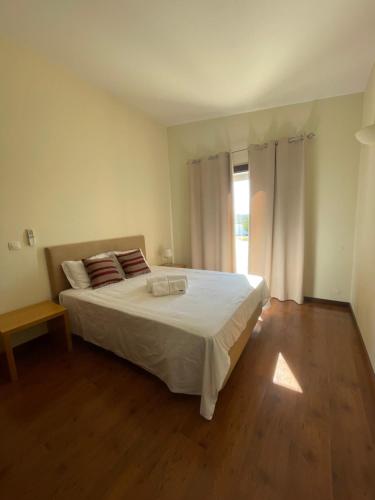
x,y
75,251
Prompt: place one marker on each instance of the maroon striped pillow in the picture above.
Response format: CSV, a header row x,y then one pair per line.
x,y
133,263
102,272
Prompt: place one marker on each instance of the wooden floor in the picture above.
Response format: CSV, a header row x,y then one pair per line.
x,y
88,425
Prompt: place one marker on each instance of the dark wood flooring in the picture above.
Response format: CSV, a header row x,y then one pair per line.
x,y
89,425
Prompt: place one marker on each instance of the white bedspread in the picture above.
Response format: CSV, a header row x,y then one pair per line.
x,y
182,339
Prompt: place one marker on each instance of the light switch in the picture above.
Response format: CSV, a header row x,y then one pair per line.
x,y
14,245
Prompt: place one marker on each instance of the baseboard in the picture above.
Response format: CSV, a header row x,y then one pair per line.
x,y
328,302
364,349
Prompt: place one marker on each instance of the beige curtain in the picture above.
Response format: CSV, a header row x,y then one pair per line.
x,y
277,217
211,213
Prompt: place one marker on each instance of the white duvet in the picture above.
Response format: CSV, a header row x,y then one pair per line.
x,y
182,339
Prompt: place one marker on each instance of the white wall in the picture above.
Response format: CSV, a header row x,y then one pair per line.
x,y
363,292
332,165
75,165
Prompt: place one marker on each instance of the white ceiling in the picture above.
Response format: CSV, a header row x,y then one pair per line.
x,y
187,60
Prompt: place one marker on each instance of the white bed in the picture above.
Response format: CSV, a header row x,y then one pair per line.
x,y
184,340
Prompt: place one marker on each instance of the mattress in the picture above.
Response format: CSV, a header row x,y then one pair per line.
x,y
182,339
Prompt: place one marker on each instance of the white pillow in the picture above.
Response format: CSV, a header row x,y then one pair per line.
x,y
76,273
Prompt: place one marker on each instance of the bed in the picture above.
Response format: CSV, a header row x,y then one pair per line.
x,y
192,342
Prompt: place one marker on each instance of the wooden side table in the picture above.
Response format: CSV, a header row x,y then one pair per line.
x,y
54,315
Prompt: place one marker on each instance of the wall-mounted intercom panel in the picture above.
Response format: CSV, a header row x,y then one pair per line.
x,y
30,237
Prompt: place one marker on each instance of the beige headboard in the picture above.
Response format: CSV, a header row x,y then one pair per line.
x,y
76,251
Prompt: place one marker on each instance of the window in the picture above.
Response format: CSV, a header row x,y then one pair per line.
x,y
241,185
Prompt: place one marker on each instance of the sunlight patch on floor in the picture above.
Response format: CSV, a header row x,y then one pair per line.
x,y
284,376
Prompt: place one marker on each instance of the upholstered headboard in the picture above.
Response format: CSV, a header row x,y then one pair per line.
x,y
76,251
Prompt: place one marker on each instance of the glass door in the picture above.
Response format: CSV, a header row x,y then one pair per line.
x,y
241,183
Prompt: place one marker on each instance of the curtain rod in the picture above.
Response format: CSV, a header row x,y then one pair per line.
x,y
296,138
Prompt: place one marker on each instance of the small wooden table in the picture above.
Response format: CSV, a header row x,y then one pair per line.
x,y
54,315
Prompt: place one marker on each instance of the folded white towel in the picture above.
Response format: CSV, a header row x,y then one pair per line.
x,y
174,277
175,287
160,288
165,277
155,279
